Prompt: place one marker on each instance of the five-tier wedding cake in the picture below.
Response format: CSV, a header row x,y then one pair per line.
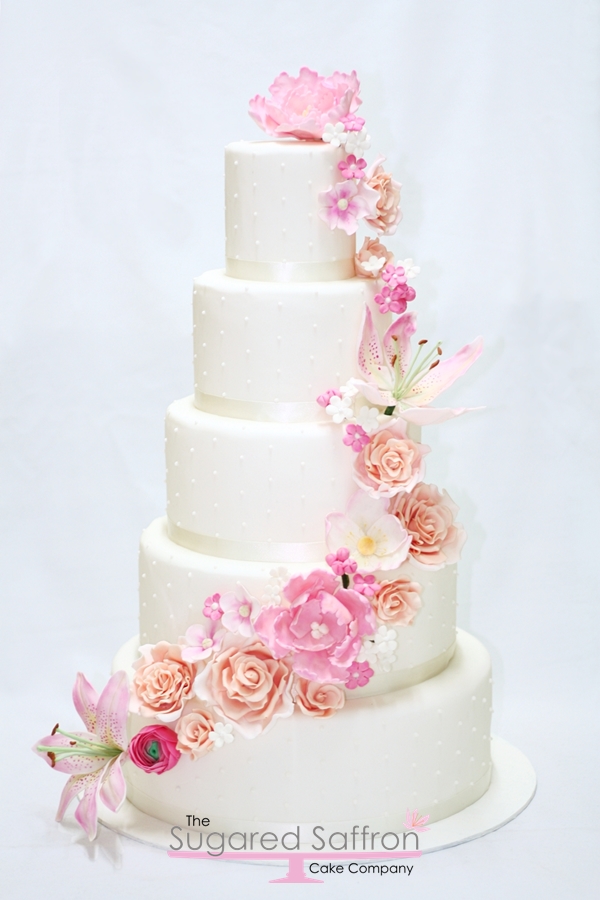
x,y
298,660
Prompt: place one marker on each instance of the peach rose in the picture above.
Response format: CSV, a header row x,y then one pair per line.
x,y
315,699
247,685
390,463
372,258
193,730
428,516
388,205
162,683
397,601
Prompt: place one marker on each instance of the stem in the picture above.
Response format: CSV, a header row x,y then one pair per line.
x,y
389,410
345,580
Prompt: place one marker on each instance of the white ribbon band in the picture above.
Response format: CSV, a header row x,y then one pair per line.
x,y
260,411
249,551
251,270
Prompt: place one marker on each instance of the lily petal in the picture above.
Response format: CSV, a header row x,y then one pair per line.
x,y
440,378
74,786
371,360
396,340
372,393
87,810
113,789
85,700
74,765
112,711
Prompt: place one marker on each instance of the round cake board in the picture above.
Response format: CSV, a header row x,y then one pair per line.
x,y
511,790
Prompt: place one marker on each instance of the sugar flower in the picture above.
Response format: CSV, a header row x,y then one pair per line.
x,y
410,269
193,731
154,749
366,584
162,683
355,437
380,649
372,535
340,562
394,299
212,607
368,418
397,601
372,258
387,214
390,463
357,142
352,168
320,630
201,641
404,384
334,134
303,105
93,757
324,399
359,674
429,518
239,609
339,408
352,122
316,699
221,735
343,204
274,586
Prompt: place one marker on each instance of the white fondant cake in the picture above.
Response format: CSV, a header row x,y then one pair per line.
x,y
298,661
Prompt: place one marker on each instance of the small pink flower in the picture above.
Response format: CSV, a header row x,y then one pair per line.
x,y
324,399
394,275
154,749
202,641
365,584
212,607
394,299
352,168
340,562
351,122
359,674
239,608
345,203
356,437
415,822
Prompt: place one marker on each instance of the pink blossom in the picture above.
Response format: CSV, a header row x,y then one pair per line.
x,y
201,641
324,398
340,562
365,584
356,437
352,168
343,204
359,674
92,758
238,610
301,106
154,749
394,299
352,122
394,275
212,607
321,628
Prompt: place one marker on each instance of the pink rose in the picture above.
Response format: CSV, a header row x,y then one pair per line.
x,y
397,601
372,258
390,463
301,107
154,749
315,699
247,685
322,627
162,683
193,732
428,516
388,214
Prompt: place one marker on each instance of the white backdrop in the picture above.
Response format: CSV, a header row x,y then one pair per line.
x,y
113,116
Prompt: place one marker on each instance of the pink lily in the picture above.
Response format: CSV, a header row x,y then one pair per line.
x,y
406,384
415,822
92,757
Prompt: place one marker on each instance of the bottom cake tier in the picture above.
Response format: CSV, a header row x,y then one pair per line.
x,y
424,747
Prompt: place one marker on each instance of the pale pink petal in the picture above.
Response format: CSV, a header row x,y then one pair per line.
x,y
72,788
430,415
112,711
396,340
87,810
75,764
374,394
340,531
371,360
113,789
85,700
392,540
440,378
365,510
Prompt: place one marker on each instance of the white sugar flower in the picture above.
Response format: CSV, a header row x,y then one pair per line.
x,y
340,408
410,270
221,735
349,389
335,134
357,142
274,586
367,418
374,264
375,539
386,644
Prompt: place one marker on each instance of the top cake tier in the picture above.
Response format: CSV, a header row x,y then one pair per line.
x,y
272,226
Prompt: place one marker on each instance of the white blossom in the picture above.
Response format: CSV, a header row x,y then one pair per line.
x,y
368,418
221,735
274,586
340,408
335,134
410,270
357,142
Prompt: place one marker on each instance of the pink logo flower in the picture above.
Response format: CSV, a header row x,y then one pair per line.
x,y
321,628
301,106
343,204
355,437
340,562
359,674
415,822
154,749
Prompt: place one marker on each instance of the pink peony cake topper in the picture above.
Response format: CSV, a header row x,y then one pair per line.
x,y
303,105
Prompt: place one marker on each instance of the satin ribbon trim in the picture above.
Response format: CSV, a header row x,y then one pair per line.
x,y
395,681
260,411
248,551
252,270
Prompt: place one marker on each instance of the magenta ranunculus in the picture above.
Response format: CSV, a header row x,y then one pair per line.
x,y
321,628
301,106
154,749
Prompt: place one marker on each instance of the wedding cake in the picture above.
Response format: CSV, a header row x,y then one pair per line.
x,y
298,660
